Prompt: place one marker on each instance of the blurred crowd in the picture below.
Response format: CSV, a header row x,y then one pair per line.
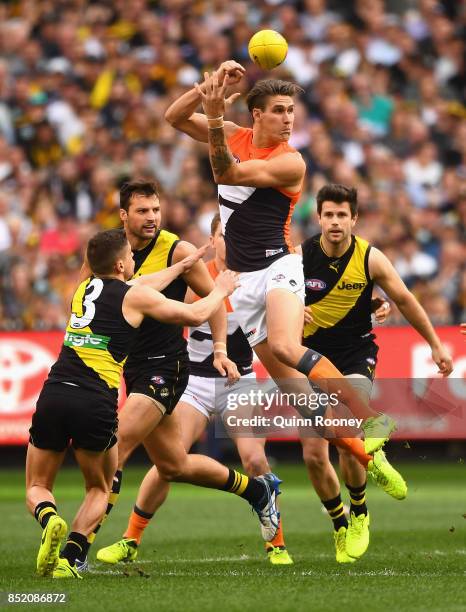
x,y
83,90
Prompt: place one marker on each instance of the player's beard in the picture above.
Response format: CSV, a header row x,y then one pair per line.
x,y
145,233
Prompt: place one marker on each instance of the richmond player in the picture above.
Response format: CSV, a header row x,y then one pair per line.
x,y
340,270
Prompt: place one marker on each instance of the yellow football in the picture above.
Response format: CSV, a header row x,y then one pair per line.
x,y
267,49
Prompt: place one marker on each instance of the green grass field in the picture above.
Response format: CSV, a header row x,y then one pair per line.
x,y
204,552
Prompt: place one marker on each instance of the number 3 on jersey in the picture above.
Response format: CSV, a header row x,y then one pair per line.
x,y
93,290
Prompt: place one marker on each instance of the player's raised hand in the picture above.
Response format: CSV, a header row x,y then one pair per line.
x,y
227,281
188,262
443,359
234,70
213,96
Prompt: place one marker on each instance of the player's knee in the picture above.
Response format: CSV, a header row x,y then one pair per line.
x,y
255,464
314,458
172,471
282,350
97,484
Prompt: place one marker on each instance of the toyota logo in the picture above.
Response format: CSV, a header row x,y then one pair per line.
x,y
24,365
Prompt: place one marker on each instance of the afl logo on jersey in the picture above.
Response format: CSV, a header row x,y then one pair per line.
x,y
315,284
158,380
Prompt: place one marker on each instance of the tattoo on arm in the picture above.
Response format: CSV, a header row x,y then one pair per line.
x,y
221,158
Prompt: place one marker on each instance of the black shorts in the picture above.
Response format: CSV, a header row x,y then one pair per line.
x,y
162,380
358,358
66,412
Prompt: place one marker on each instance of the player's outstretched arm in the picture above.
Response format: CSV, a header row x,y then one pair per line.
x,y
160,280
181,114
141,301
284,171
384,274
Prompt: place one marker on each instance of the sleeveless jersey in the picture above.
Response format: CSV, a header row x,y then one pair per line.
x,y
255,221
201,349
97,338
155,339
339,289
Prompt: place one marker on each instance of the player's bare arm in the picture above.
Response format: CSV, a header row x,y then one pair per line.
x,y
284,171
387,278
160,280
201,283
141,301
182,114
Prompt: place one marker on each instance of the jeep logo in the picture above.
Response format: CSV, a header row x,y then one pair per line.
x,y
344,285
315,284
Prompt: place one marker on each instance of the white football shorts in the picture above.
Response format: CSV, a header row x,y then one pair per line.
x,y
249,299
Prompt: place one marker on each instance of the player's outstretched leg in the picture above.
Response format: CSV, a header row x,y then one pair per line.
x,y
377,427
166,450
261,493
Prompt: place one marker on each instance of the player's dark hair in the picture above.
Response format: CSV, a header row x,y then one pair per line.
x,y
214,224
137,187
103,250
262,90
333,192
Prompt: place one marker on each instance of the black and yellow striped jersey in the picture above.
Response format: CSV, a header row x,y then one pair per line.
x,y
97,338
339,290
156,339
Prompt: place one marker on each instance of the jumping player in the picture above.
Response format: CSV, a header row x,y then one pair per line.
x,y
260,177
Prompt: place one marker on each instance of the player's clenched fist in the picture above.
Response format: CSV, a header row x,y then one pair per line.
x,y
234,71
